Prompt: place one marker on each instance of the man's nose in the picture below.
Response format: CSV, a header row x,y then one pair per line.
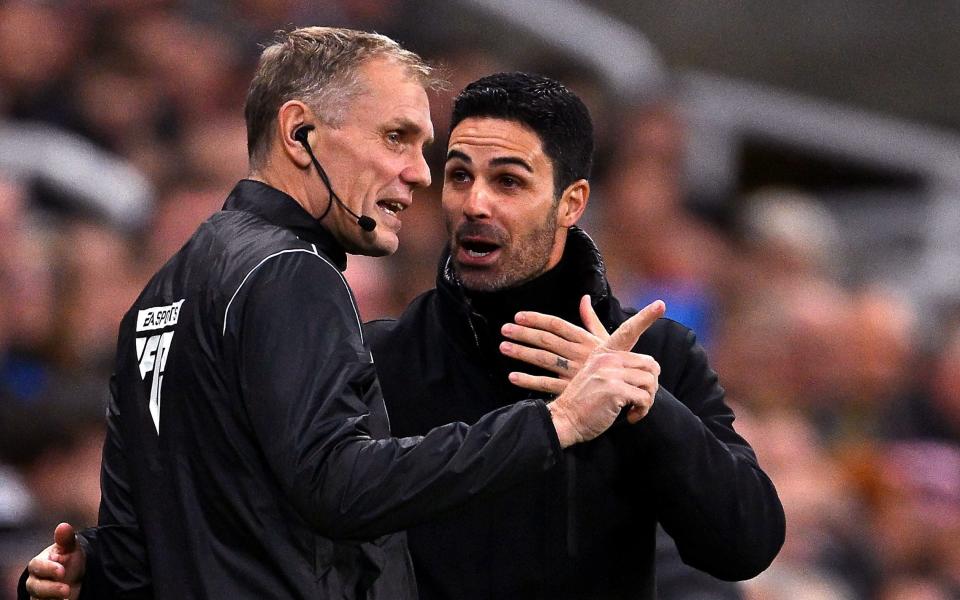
x,y
477,203
417,174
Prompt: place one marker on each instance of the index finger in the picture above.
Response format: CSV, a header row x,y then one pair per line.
x,y
626,336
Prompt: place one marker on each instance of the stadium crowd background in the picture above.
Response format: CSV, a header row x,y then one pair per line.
x,y
122,127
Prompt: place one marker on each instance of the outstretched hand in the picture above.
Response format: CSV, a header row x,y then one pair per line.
x,y
560,347
57,571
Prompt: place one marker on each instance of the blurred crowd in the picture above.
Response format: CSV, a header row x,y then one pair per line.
x,y
853,409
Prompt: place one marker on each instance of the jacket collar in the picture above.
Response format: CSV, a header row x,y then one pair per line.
x,y
278,208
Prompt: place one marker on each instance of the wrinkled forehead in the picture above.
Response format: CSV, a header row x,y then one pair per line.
x,y
389,92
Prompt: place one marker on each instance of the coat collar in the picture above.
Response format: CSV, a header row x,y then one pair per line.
x,y
282,210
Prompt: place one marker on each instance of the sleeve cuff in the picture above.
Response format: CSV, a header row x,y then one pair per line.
x,y
541,407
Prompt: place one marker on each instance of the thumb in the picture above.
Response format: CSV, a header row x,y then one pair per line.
x,y
590,319
626,336
65,538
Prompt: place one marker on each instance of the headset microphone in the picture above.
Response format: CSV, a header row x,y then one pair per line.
x,y
366,223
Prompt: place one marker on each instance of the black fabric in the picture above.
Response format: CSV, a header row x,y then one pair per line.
x,y
585,529
273,474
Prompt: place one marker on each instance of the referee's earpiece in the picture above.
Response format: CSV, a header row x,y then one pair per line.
x,y
363,221
300,134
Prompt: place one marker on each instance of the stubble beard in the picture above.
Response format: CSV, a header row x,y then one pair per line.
x,y
524,259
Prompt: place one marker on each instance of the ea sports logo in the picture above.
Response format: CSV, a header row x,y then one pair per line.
x,y
152,350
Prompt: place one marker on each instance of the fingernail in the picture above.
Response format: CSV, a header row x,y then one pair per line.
x,y
508,328
513,377
506,346
521,317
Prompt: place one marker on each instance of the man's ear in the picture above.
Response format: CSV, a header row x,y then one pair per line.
x,y
572,203
293,115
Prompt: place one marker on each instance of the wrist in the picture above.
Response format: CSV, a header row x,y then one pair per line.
x,y
566,432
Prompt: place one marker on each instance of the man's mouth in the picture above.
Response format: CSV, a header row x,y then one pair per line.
x,y
476,252
478,249
391,207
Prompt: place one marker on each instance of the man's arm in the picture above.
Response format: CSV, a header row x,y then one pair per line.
x,y
711,495
436,461
118,539
308,385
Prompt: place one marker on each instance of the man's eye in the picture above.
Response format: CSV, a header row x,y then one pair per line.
x,y
394,137
509,181
458,176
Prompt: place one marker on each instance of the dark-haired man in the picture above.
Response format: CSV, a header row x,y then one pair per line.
x,y
248,451
515,184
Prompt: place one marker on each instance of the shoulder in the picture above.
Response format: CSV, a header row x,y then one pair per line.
x,y
297,296
287,276
277,270
249,242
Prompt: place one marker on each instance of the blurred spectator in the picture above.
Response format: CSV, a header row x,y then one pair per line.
x,y
119,106
176,216
214,151
945,392
914,588
913,492
795,235
826,554
933,410
54,443
882,364
654,246
783,346
27,302
39,46
52,451
99,283
194,64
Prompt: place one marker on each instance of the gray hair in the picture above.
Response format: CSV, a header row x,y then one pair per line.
x,y
321,67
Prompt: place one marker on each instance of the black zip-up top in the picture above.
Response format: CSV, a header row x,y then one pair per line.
x,y
248,451
586,528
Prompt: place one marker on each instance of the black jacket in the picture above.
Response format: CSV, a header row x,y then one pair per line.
x,y
586,528
273,474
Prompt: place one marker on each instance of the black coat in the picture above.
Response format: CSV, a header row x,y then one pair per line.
x,y
586,528
248,451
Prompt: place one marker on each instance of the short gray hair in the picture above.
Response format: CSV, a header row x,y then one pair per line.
x,y
321,67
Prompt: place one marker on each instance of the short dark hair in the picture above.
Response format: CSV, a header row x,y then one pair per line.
x,y
319,65
554,113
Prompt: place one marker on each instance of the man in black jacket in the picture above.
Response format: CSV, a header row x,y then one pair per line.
x,y
248,450
515,183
